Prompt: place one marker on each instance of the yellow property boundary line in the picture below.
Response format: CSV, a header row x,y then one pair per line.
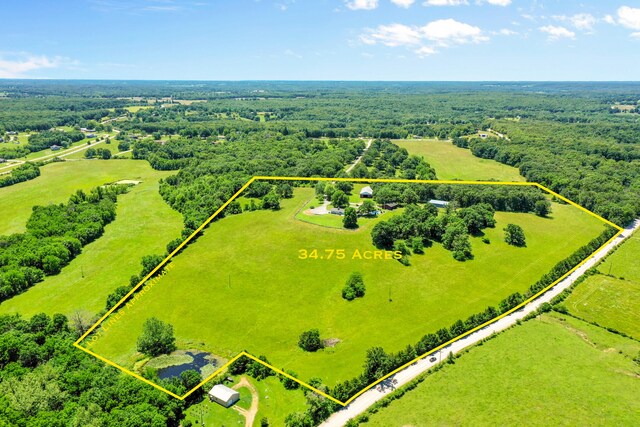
x,y
279,371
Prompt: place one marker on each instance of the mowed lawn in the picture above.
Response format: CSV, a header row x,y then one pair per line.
x,y
451,162
241,287
612,302
58,181
144,224
274,403
552,371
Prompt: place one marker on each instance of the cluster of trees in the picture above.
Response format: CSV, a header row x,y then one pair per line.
x,y
24,172
514,235
310,340
100,153
595,165
354,287
55,235
45,381
157,338
384,159
45,139
378,363
200,187
422,225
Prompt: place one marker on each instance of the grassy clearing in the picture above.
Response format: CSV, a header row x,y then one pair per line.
x,y
275,403
136,108
609,302
59,180
623,263
451,162
549,371
244,277
612,301
144,225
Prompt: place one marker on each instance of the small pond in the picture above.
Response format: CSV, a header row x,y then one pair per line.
x,y
200,360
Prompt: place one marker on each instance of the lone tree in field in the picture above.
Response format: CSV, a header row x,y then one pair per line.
x,y
542,208
350,219
514,235
157,338
354,288
310,340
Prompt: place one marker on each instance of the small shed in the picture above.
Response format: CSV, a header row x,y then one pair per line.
x,y
55,148
366,193
223,395
390,206
91,135
483,135
439,203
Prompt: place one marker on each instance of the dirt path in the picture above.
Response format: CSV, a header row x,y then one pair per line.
x,y
371,396
360,157
249,415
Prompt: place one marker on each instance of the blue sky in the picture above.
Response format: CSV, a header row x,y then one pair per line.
x,y
321,39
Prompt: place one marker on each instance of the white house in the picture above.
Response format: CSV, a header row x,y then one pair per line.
x,y
366,193
223,395
439,203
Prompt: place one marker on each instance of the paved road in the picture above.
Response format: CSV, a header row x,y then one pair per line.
x,y
360,157
62,153
368,398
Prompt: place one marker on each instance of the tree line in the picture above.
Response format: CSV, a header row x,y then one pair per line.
x,y
55,235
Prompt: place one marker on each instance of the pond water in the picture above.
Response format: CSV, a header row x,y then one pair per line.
x,y
200,360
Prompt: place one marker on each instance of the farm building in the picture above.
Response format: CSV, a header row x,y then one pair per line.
x,y
439,203
366,193
390,206
223,395
55,147
3,160
91,135
336,211
483,135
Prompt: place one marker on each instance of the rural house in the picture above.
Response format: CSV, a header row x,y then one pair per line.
x,y
439,203
223,395
366,193
390,206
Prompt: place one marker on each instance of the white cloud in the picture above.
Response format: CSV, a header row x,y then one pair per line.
x,y
425,51
362,4
556,33
505,32
629,17
499,2
581,21
445,2
635,35
609,19
393,35
21,64
449,31
427,39
403,3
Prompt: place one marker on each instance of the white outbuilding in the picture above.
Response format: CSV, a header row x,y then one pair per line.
x,y
366,193
223,395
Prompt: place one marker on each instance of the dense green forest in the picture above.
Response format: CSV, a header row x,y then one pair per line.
x,y
563,135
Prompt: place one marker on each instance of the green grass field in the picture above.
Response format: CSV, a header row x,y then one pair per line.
x,y
59,180
274,403
612,301
544,372
144,225
244,277
451,162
